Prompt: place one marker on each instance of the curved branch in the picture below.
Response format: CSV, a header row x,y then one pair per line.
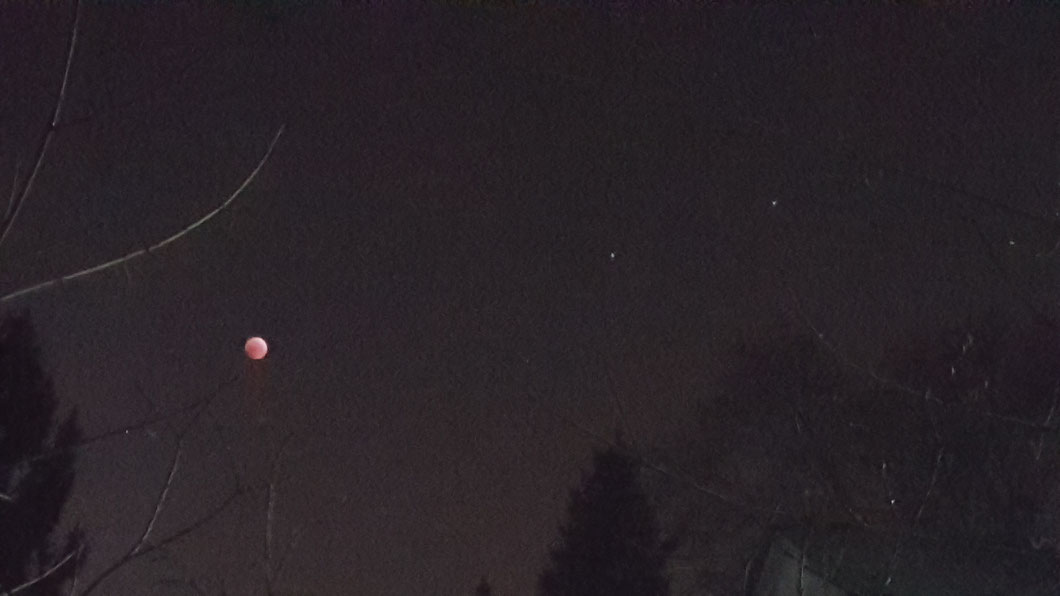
x,y
41,577
154,247
272,573
160,502
19,198
199,404
132,554
14,190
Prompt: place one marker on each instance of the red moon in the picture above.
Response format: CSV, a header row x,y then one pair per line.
x,y
256,348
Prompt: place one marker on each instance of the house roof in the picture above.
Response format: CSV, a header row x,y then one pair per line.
x,y
860,560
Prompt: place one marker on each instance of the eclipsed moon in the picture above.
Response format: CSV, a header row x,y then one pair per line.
x,y
256,348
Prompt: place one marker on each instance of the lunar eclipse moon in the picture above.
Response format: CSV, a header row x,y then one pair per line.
x,y
256,348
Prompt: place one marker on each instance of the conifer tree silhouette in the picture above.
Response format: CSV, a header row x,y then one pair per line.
x,y
36,469
611,543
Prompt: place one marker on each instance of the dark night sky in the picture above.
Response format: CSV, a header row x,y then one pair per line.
x,y
429,249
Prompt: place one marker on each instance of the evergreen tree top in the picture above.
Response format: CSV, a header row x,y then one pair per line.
x,y
611,543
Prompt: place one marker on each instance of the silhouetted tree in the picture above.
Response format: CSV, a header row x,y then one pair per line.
x,y
36,465
36,468
483,588
611,544
952,439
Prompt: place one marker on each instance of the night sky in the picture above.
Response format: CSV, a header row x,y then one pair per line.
x,y
483,237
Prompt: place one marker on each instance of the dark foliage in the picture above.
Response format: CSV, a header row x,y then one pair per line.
x,y
36,466
952,442
611,544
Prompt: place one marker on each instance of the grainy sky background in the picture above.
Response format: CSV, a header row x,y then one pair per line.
x,y
429,249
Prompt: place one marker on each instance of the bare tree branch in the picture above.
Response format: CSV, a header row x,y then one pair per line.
x,y
124,430
892,564
296,537
292,543
131,556
835,351
77,569
800,585
14,190
160,503
924,394
154,247
49,133
143,544
271,573
21,190
270,510
41,577
1048,421
931,487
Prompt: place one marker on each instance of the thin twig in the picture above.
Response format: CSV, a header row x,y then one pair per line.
x,y
77,569
41,577
160,503
143,545
892,564
154,247
931,487
820,336
296,537
800,587
270,510
124,430
1048,421
129,557
14,190
924,394
49,133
